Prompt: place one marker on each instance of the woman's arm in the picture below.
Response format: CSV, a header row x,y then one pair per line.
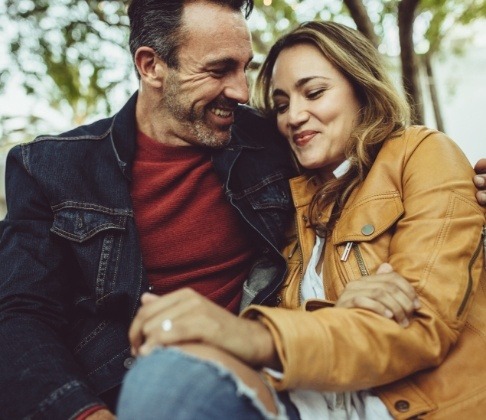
x,y
434,245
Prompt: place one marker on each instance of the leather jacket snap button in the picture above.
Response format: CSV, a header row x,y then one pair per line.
x,y
367,230
402,406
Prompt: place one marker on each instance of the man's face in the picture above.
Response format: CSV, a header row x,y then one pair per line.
x,y
201,95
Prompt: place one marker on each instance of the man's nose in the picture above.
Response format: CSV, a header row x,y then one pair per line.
x,y
237,88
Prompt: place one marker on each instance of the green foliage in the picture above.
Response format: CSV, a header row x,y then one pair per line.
x,y
72,53
272,18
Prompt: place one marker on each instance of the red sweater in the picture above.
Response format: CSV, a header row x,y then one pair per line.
x,y
190,235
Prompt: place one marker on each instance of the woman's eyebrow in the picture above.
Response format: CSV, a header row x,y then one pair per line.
x,y
298,84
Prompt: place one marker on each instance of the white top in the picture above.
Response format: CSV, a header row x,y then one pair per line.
x,y
314,405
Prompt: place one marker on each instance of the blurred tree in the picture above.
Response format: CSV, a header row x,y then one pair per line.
x,y
70,53
73,53
374,19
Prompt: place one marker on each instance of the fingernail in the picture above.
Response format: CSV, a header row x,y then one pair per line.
x,y
388,313
416,304
479,180
405,323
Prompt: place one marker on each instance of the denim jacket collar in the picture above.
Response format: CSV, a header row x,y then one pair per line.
x,y
123,135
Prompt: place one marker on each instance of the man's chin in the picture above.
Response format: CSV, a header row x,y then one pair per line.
x,y
220,142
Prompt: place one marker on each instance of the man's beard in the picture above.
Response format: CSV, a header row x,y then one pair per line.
x,y
200,133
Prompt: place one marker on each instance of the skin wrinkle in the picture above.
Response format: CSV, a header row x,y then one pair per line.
x,y
210,75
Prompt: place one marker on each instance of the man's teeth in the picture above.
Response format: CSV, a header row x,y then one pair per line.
x,y
221,112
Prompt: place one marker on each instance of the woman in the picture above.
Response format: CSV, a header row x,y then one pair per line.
x,y
334,104
372,191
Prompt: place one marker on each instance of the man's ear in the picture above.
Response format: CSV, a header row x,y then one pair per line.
x,y
151,68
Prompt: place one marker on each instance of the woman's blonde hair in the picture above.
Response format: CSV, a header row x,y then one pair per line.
x,y
383,111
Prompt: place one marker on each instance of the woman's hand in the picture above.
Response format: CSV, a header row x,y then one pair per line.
x,y
184,316
385,293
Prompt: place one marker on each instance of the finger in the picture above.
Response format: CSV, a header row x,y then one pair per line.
x,y
481,197
364,302
480,167
175,314
195,318
147,298
184,329
385,291
384,268
152,305
397,303
394,282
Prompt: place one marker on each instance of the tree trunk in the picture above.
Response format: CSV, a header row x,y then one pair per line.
x,y
433,93
363,22
410,73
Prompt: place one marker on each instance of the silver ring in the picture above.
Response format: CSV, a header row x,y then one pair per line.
x,y
166,325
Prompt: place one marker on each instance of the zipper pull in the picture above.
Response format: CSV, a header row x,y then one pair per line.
x,y
347,250
293,250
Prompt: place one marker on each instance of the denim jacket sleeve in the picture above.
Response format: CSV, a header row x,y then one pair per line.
x,y
33,308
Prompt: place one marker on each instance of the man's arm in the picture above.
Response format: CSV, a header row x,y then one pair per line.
x,y
480,181
38,374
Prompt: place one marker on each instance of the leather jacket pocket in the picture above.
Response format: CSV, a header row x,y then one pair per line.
x,y
366,221
368,218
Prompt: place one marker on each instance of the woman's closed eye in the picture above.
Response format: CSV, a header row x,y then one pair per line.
x,y
315,93
280,108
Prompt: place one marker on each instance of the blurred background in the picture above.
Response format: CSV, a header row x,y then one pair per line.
x,y
66,62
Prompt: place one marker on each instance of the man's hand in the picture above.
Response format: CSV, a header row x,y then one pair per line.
x,y
480,181
385,293
184,316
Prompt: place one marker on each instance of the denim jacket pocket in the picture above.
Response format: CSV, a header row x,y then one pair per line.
x,y
79,224
95,234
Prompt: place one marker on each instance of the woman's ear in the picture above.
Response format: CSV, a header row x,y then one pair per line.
x,y
150,67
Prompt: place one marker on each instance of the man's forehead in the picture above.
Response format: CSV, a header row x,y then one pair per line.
x,y
202,17
217,36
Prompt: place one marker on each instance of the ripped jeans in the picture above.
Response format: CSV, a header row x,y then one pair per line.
x,y
170,384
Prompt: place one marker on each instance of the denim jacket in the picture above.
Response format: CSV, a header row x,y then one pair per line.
x,y
71,267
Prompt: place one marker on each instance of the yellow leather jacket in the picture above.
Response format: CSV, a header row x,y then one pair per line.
x,y
416,210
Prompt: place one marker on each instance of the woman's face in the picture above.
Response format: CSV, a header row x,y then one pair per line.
x,y
316,106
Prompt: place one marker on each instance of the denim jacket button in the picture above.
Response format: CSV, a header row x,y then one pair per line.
x,y
128,362
151,288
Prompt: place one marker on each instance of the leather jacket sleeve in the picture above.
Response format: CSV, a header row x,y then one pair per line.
x,y
435,244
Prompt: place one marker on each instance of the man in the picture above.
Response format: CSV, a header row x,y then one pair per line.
x,y
180,187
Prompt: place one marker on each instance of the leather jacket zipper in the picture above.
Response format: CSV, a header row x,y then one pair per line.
x,y
484,245
359,258
357,253
298,245
481,245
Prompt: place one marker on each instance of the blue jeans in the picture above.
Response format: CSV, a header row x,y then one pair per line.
x,y
170,384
